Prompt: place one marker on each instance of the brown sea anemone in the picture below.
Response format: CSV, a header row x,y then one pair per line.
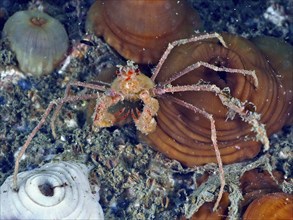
x,y
272,206
206,212
185,136
256,183
141,30
280,58
39,41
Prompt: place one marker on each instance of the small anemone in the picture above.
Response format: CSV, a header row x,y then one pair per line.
x,y
39,41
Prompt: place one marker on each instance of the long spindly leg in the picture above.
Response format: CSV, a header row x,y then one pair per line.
x,y
212,67
102,88
181,42
59,103
214,140
234,105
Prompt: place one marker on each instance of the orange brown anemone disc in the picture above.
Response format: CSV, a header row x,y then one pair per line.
x,y
185,136
141,30
205,212
272,206
280,57
257,183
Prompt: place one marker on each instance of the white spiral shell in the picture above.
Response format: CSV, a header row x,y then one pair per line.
x,y
54,191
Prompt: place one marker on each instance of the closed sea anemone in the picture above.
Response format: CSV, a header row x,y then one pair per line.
x,y
141,30
39,41
185,136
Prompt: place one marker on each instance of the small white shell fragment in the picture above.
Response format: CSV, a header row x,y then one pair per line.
x,y
54,191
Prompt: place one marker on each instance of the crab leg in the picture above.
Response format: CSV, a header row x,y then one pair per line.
x,y
215,68
214,140
58,103
66,94
230,102
180,42
233,104
40,124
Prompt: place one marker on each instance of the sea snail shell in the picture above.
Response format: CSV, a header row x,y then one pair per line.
x,y
54,191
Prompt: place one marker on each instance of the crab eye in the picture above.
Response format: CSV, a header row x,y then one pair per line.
x,y
87,42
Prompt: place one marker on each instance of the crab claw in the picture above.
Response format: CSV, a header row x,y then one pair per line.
x,y
146,123
102,117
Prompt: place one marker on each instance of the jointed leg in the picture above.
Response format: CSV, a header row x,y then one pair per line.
x,y
66,94
252,118
58,102
212,67
184,41
233,104
214,140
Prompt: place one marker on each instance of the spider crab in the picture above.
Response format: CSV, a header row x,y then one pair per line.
x,y
131,85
